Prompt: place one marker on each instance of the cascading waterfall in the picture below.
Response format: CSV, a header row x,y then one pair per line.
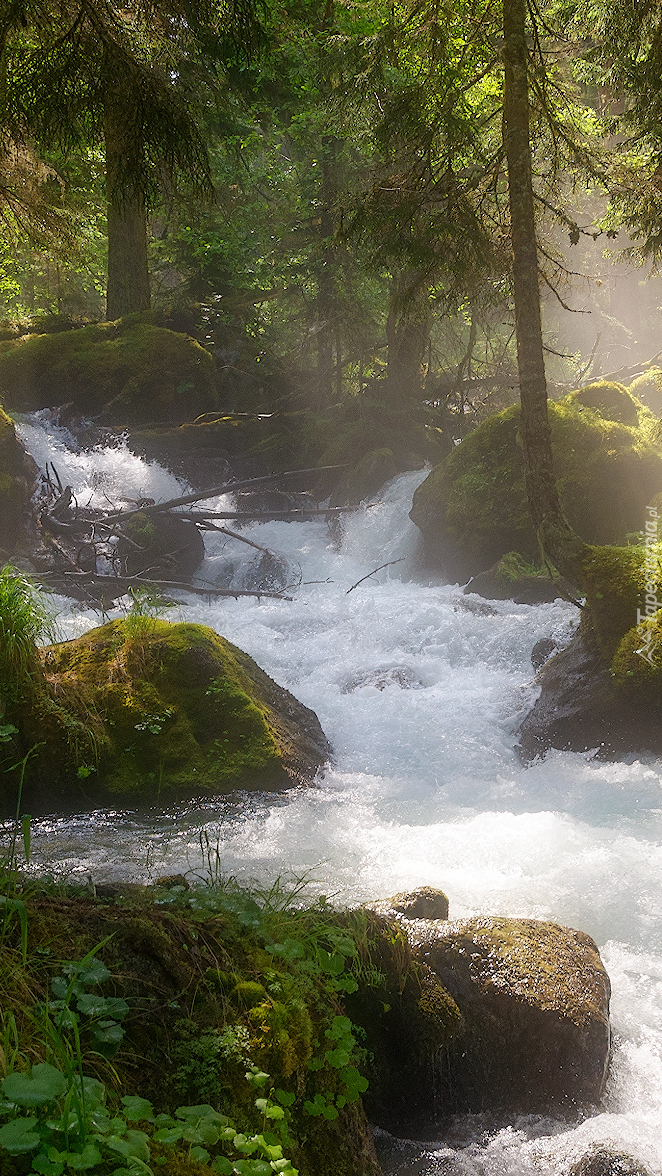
x,y
419,690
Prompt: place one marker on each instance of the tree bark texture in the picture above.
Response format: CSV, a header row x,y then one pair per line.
x,y
408,334
558,540
128,273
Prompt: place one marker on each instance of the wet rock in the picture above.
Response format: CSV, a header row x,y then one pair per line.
x,y
500,582
423,903
579,709
605,1162
401,676
534,998
474,606
168,547
542,651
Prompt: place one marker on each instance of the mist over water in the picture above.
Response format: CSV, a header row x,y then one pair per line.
x,y
419,690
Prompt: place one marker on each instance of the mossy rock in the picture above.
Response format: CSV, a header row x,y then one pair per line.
x,y
131,371
173,710
407,1016
17,479
512,578
613,401
472,509
534,998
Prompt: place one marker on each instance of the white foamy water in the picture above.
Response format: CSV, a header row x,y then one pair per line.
x,y
425,788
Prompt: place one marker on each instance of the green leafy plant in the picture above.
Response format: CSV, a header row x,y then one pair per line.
x,y
25,619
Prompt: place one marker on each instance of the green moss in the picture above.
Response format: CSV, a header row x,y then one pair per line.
x,y
615,583
141,371
178,710
473,507
637,664
613,401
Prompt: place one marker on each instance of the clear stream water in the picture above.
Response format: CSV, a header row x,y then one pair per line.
x,y
426,787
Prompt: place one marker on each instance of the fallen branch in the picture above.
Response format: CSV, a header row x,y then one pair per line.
x,y
247,516
215,491
122,584
390,564
242,539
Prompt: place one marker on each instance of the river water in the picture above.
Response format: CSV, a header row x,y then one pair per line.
x,y
419,690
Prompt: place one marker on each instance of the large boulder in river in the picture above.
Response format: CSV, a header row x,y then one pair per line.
x,y
534,999
130,370
17,478
145,712
472,508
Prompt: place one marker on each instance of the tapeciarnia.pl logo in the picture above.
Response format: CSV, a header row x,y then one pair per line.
x,y
649,642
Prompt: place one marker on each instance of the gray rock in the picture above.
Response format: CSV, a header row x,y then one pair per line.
x,y
423,903
542,651
578,709
534,998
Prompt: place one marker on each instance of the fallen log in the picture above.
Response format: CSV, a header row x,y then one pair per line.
x,y
122,584
215,491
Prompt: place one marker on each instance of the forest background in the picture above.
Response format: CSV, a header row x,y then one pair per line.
x,y
318,192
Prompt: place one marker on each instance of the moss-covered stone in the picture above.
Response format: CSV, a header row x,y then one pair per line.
x,y
613,401
534,998
407,1017
472,508
161,544
130,370
147,710
17,477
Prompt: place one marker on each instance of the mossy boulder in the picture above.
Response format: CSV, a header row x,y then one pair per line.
x,y
511,578
613,401
472,508
131,370
365,479
17,480
149,711
534,999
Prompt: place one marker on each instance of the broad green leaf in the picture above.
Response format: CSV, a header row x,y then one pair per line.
x,y
47,1167
222,1166
43,1085
109,1033
93,972
202,1111
18,1136
133,1143
200,1154
338,1058
253,1168
285,1097
168,1134
82,1161
136,1108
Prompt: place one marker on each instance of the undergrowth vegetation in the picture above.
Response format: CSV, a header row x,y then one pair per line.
x,y
194,1027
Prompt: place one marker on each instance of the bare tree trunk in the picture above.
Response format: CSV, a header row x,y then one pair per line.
x,y
559,542
128,274
408,334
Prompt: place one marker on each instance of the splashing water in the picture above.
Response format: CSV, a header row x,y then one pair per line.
x,y
419,690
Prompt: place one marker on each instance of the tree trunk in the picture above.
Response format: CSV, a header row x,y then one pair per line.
x,y
408,334
128,274
559,542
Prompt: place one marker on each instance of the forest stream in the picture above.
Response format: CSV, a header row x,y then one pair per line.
x,y
419,689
